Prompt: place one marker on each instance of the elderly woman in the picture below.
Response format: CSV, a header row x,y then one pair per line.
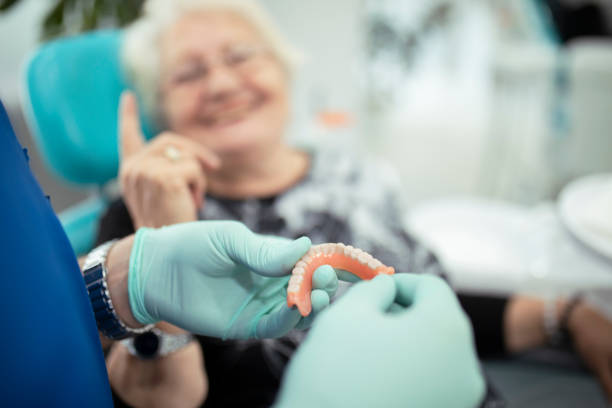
x,y
215,75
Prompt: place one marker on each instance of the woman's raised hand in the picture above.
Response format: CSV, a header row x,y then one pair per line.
x,y
163,182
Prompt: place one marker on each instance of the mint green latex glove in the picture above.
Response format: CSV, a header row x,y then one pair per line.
x,y
217,278
358,354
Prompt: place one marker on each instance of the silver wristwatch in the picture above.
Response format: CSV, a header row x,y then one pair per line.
x,y
156,343
94,274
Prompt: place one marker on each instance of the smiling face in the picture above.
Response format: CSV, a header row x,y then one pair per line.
x,y
221,85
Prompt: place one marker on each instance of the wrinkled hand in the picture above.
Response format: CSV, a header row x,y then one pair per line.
x,y
395,341
162,182
217,278
592,336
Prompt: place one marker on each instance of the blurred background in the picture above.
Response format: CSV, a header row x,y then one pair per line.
x,y
497,98
501,102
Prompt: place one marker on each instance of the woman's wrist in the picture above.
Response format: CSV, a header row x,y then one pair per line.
x,y
117,265
532,322
554,320
576,316
523,324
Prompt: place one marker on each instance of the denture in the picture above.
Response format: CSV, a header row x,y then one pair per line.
x,y
338,256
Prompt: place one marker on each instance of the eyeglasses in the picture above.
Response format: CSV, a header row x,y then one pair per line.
x,y
241,59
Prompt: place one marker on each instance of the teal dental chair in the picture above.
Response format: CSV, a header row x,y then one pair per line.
x,y
71,94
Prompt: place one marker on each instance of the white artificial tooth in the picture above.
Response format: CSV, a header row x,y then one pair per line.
x,y
363,258
348,250
355,253
300,264
374,263
297,279
329,249
293,288
298,271
307,258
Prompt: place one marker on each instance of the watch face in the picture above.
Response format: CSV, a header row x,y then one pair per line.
x,y
147,344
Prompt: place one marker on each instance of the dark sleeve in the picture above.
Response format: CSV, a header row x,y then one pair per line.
x,y
115,223
487,316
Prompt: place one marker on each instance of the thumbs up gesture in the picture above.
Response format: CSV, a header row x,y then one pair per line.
x,y
163,182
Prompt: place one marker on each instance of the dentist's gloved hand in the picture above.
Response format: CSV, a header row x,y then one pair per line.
x,y
217,278
358,354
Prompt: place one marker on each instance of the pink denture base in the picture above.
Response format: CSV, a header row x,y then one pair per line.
x,y
338,256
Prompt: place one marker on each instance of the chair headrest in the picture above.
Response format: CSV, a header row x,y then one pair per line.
x,y
72,89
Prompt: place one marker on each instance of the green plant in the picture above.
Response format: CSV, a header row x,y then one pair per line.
x,y
67,17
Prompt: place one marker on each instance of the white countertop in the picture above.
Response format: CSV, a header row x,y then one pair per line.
x,y
496,247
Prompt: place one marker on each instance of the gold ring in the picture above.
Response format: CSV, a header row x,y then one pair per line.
x,y
172,153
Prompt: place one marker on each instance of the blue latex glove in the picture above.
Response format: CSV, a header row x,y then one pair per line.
x,y
359,354
217,278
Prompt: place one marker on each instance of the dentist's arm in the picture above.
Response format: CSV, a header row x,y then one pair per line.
x,y
215,278
177,380
117,264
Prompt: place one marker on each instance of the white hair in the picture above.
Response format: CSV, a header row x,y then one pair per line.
x,y
140,48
